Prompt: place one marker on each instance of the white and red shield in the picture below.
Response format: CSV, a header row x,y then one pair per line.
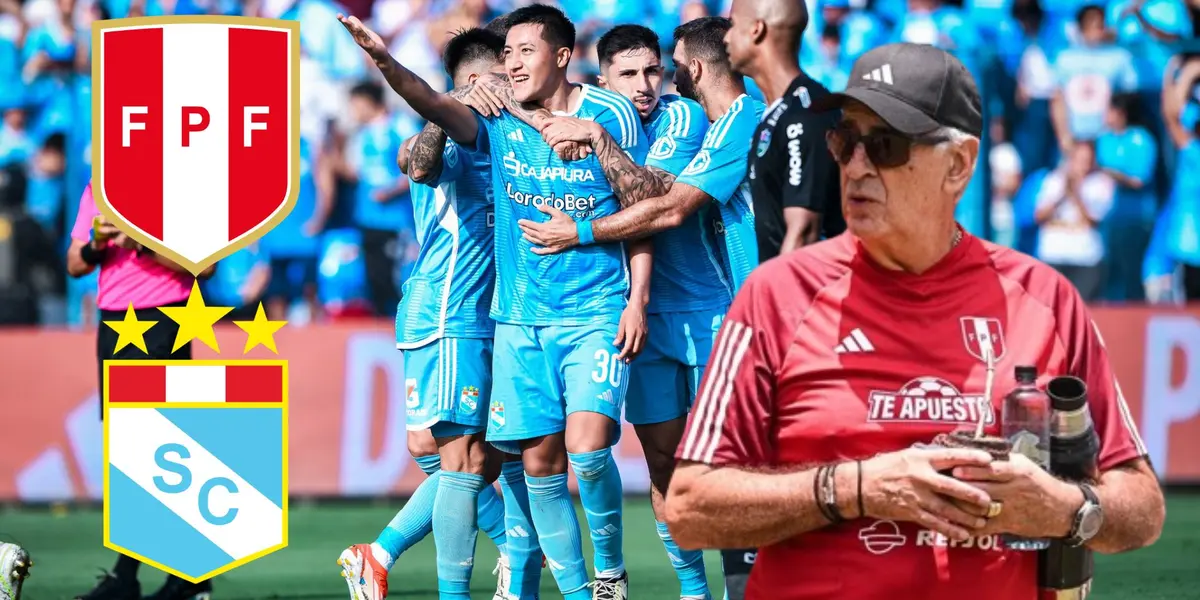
x,y
197,127
981,334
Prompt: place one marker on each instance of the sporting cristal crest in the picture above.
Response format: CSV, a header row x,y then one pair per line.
x,y
195,451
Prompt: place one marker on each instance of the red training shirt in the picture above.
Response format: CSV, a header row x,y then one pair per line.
x,y
825,356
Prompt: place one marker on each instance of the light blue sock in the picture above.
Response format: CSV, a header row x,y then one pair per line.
x,y
602,496
558,531
491,517
415,520
689,565
524,553
454,532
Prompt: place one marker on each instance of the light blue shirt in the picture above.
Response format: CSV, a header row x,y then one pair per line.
x,y
1088,77
687,267
720,170
587,284
1133,153
450,289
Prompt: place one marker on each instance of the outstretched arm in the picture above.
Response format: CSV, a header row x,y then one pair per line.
x,y
632,182
450,114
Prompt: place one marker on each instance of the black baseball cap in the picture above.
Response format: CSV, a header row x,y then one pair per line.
x,y
915,88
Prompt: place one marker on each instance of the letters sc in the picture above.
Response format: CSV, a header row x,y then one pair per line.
x,y
164,461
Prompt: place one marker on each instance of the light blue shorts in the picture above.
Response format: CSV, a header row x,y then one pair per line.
x,y
447,384
664,379
543,374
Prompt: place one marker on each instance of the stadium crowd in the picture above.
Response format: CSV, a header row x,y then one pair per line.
x,y
1092,102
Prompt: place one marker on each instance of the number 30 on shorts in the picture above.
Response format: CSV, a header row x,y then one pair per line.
x,y
608,368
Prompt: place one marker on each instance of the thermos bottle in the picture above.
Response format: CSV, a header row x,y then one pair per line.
x,y
1065,572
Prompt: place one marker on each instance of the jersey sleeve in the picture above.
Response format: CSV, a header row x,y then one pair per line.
x,y
675,147
82,230
805,161
1087,359
482,135
622,122
453,160
730,423
720,166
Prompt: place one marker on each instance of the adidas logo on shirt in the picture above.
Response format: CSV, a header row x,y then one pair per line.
x,y
519,136
855,342
882,74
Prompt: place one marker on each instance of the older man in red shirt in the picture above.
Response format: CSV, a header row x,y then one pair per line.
x,y
817,357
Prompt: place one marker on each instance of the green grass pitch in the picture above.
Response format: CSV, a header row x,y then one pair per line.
x,y
67,552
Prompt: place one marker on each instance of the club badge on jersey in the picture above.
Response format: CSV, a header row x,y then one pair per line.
x,y
196,451
198,123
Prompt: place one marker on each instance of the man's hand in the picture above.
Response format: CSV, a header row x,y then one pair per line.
x,y
553,236
907,486
1033,502
570,129
571,151
105,232
365,38
631,331
483,97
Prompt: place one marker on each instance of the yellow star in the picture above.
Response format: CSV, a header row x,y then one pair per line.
x,y
260,330
130,330
196,320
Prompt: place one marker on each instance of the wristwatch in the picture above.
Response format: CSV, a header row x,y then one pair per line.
x,y
1088,519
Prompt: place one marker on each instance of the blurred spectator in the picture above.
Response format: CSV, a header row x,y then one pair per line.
x,y
293,244
45,196
1128,153
858,30
1035,87
241,282
828,66
409,27
382,208
1005,164
1087,75
1150,30
29,266
1072,203
15,144
1181,216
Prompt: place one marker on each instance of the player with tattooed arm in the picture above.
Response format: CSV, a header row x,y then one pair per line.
x,y
558,383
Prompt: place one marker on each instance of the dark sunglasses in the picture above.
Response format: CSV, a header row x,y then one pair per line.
x,y
887,148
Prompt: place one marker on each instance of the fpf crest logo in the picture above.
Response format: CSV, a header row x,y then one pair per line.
x,y
195,451
197,123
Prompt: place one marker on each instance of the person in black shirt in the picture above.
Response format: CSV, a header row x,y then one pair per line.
x,y
794,181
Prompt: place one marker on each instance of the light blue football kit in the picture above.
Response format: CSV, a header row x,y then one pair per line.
x,y
689,294
442,324
689,291
445,333
719,170
556,319
556,316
